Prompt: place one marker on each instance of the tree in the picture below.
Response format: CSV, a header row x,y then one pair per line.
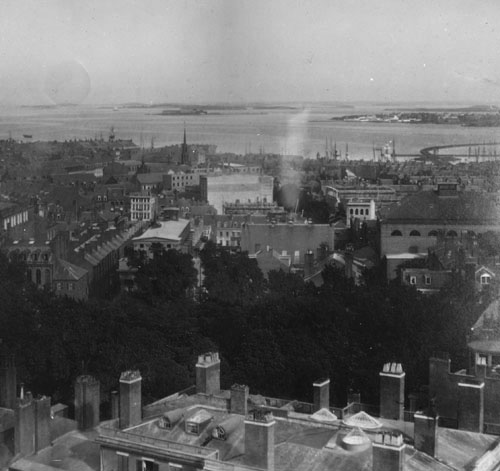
x,y
169,275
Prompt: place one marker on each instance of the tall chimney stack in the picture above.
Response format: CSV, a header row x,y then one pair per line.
x,y
42,422
239,399
321,394
24,426
208,373
87,401
388,452
425,432
259,440
392,391
471,406
8,382
130,398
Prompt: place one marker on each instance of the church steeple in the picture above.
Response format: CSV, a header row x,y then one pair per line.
x,y
184,150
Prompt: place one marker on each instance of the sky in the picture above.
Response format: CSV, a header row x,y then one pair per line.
x,y
204,51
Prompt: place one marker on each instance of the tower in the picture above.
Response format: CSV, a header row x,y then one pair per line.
x,y
184,150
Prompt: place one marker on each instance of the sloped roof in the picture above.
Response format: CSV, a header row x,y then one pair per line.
x,y
144,178
170,230
363,421
427,206
324,415
68,271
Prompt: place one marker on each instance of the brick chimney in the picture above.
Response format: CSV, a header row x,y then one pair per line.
x,y
321,394
439,372
481,368
130,398
353,397
8,382
87,401
388,452
42,422
425,432
208,373
115,405
24,425
239,399
392,391
471,406
259,440
308,263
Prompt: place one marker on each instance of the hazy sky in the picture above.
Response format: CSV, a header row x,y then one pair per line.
x,y
249,50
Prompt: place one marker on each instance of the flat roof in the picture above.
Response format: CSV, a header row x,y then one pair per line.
x,y
168,230
301,443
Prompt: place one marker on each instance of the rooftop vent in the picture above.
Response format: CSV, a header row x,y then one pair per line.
x,y
362,420
355,440
225,428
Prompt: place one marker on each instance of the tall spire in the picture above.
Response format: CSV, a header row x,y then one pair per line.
x,y
184,149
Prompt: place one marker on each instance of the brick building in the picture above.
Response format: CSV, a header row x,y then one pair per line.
x,y
413,225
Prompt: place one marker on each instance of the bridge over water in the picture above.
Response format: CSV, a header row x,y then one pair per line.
x,y
475,151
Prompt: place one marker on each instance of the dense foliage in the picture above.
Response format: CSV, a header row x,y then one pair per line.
x,y
276,335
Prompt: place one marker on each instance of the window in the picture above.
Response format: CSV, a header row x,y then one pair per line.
x,y
71,286
432,234
485,279
413,280
356,211
145,464
451,234
414,233
38,277
428,279
192,428
122,461
396,233
59,286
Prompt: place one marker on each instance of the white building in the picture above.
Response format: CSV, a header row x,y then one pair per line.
x,y
143,206
236,188
170,234
360,208
12,215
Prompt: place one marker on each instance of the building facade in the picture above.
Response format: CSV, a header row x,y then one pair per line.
x,y
143,206
235,188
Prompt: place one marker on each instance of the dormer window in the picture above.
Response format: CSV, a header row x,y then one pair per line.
x,y
485,279
197,422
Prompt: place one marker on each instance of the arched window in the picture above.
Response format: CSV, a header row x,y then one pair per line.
x,y
432,234
356,211
396,233
451,234
351,211
38,276
415,233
